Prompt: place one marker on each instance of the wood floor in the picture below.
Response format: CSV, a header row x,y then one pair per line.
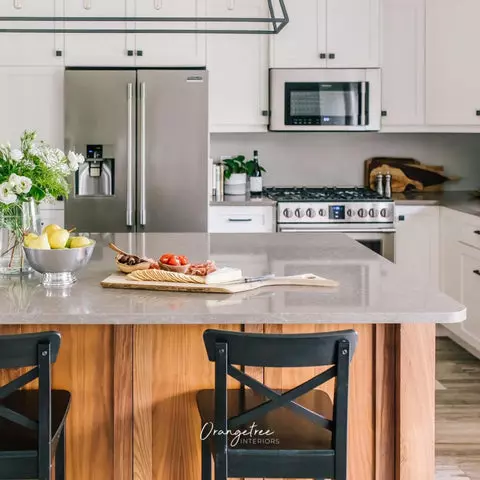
x,y
457,413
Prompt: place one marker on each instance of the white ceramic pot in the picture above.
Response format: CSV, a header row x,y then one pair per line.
x,y
236,184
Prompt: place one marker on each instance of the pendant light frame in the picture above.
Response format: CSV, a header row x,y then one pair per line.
x,y
276,24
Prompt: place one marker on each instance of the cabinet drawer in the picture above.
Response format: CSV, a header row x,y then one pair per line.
x,y
48,217
470,233
240,220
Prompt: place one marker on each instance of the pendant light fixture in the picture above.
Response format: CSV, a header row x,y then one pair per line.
x,y
270,25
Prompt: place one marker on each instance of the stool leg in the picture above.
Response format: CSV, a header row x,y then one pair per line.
x,y
206,461
60,457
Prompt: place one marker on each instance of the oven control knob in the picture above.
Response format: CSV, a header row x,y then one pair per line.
x,y
299,212
322,212
383,212
373,213
362,213
311,213
350,213
288,213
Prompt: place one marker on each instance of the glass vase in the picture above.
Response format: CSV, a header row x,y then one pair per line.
x,y
14,223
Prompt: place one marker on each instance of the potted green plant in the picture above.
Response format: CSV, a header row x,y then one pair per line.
x,y
235,175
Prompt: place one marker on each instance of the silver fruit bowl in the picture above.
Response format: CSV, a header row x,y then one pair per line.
x,y
58,267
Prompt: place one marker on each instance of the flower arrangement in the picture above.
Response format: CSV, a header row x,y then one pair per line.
x,y
30,174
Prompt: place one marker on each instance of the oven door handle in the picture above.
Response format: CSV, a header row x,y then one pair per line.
x,y
335,230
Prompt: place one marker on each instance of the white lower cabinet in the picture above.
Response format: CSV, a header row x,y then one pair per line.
x,y
241,219
460,273
417,242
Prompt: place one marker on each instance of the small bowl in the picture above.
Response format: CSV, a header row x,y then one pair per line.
x,y
58,267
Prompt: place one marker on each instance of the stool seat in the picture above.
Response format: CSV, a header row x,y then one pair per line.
x,y
291,431
14,438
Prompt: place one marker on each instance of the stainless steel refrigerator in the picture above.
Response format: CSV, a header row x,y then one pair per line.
x,y
144,134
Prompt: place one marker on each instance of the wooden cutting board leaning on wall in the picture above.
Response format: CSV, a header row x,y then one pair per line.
x,y
407,174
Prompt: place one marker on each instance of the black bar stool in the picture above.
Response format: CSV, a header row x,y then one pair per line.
x,y
258,432
32,422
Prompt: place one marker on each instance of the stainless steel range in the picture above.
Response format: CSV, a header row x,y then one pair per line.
x,y
360,212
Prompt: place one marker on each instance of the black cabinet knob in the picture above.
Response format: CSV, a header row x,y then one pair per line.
x,y
331,56
139,53
477,113
323,56
265,113
476,272
384,113
476,232
130,53
58,53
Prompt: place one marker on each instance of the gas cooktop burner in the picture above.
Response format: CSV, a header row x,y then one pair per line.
x,y
324,194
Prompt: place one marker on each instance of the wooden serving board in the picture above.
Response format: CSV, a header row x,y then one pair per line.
x,y
119,280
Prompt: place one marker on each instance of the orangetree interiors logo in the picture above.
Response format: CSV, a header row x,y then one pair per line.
x,y
247,436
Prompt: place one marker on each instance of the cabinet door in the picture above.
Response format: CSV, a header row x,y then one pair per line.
x,y
33,98
353,31
170,50
303,41
417,243
453,72
403,62
99,49
469,288
30,48
238,66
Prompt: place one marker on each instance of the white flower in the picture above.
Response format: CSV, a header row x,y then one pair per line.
x,y
25,185
16,155
14,181
80,158
72,160
6,195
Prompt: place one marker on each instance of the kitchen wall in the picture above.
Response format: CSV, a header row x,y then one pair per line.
x,y
337,158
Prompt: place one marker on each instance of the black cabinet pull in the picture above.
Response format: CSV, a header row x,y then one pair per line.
x,y
139,53
130,53
476,272
331,56
384,113
245,220
58,53
401,218
476,232
265,113
323,56
477,113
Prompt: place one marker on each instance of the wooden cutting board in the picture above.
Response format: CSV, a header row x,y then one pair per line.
x,y
119,280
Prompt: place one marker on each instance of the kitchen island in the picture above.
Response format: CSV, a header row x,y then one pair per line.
x,y
134,360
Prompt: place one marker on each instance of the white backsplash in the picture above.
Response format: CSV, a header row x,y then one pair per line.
x,y
337,158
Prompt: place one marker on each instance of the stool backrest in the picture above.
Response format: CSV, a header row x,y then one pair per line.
x,y
39,351
334,349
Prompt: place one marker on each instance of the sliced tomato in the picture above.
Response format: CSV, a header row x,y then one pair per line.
x,y
183,260
174,261
166,257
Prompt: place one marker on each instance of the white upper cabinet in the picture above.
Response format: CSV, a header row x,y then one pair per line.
x,y
353,33
33,98
303,42
99,49
329,33
453,69
163,49
403,63
238,69
30,48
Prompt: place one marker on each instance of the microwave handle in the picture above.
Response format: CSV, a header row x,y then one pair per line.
x,y
363,103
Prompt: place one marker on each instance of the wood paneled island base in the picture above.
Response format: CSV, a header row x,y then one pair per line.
x,y
134,415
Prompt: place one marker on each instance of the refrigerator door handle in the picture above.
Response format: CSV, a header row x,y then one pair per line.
x,y
143,200
130,156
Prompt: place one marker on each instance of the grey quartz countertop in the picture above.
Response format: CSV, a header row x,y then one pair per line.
x,y
372,290
463,201
242,201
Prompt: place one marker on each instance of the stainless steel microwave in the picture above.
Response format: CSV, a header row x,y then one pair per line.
x,y
325,99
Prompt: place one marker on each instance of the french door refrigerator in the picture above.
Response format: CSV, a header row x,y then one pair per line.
x,y
144,134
